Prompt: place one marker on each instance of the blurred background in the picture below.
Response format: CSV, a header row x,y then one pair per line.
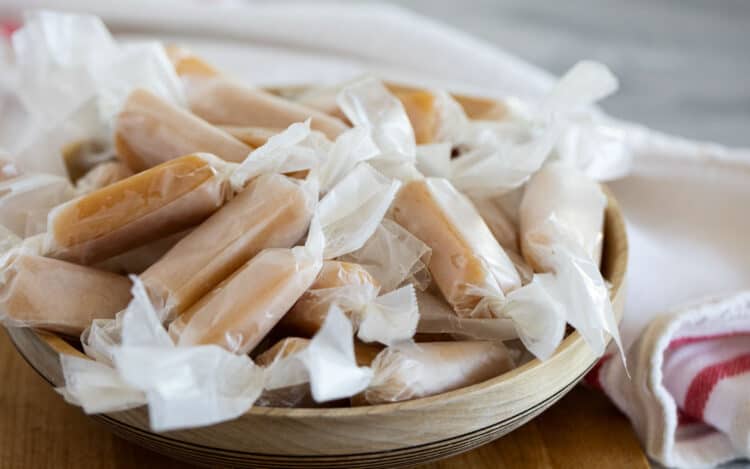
x,y
684,65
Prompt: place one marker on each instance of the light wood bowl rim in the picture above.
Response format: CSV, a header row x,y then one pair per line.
x,y
614,224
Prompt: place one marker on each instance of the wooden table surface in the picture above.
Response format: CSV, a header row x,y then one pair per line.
x,y
39,430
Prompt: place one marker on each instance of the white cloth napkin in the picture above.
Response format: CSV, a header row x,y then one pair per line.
x,y
687,203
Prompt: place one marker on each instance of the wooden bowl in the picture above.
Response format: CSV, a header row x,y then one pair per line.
x,y
380,436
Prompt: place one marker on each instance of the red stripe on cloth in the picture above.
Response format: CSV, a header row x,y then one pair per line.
x,y
685,419
592,377
8,27
702,338
703,384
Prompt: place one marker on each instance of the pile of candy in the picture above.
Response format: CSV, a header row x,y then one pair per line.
x,y
216,246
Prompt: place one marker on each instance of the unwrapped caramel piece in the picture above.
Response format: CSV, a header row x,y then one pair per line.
x,y
147,206
309,313
252,136
467,262
272,212
150,131
410,371
241,310
59,296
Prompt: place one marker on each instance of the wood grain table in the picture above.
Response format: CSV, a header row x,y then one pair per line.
x,y
39,430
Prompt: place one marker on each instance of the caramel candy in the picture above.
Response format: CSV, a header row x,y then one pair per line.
x,y
222,101
574,202
59,296
252,136
363,353
420,107
187,63
467,263
150,131
102,175
241,310
81,156
147,206
475,108
272,212
309,313
411,371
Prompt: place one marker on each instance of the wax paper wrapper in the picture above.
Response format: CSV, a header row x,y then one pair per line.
x,y
70,78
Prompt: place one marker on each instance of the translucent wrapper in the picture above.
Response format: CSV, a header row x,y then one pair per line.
x,y
252,136
368,104
224,101
141,258
26,201
102,175
55,295
92,77
150,131
437,317
183,386
409,371
467,264
81,157
386,319
561,232
241,310
298,148
273,211
393,256
497,157
328,363
164,200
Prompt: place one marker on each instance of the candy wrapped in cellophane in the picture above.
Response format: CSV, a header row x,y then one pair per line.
x,y
356,244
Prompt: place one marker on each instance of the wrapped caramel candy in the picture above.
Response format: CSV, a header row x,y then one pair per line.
x,y
252,136
147,206
223,101
272,212
56,295
82,156
239,312
102,175
150,131
410,370
309,313
468,265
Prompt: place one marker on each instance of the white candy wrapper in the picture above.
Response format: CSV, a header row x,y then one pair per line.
x,y
328,363
367,103
500,156
412,370
468,264
298,148
562,217
393,256
92,76
27,200
183,387
387,319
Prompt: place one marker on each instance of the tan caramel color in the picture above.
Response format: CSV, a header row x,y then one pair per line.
x,y
272,212
144,207
420,107
150,131
418,370
222,101
416,210
82,156
102,175
282,349
252,136
310,311
60,296
241,310
187,63
477,108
